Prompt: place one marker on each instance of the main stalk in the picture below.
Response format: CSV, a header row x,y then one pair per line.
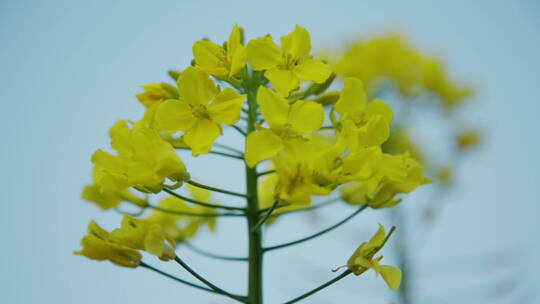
x,y
255,254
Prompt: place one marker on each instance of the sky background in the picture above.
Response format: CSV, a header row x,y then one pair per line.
x,y
70,69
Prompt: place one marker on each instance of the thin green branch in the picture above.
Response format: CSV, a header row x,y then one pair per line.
x,y
186,213
207,283
231,149
309,208
237,128
265,172
307,294
266,216
176,279
213,255
240,157
343,221
218,190
201,203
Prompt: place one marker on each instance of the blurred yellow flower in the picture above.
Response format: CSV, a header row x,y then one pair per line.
x,y
98,246
467,139
144,235
180,227
144,161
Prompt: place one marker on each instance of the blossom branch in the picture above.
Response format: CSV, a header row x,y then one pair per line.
x,y
175,278
199,202
186,213
218,190
307,294
207,283
266,216
343,221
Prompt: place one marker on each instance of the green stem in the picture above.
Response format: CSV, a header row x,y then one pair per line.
x,y
266,216
307,238
170,211
196,202
237,128
255,250
309,208
265,173
307,294
231,149
207,283
240,157
176,279
193,183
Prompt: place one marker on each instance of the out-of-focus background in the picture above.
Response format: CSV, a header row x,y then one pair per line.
x,y
70,69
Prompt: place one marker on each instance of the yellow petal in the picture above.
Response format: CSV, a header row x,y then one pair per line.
x,y
225,108
274,108
201,136
173,115
200,194
105,200
391,275
297,43
237,52
263,54
306,116
374,133
376,240
379,107
284,81
209,56
352,100
313,70
195,86
261,145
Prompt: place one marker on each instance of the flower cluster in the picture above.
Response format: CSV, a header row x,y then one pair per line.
x,y
312,142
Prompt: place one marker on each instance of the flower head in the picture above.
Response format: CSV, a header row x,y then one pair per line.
x,y
199,111
286,123
179,227
144,160
98,246
225,61
288,64
144,235
363,259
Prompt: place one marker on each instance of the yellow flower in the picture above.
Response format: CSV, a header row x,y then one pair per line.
x,y
200,111
111,198
179,227
287,123
144,235
352,104
467,139
363,259
389,57
394,174
156,92
227,61
288,64
143,161
400,141
98,246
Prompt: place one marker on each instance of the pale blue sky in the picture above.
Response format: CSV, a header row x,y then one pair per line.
x,y
69,69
